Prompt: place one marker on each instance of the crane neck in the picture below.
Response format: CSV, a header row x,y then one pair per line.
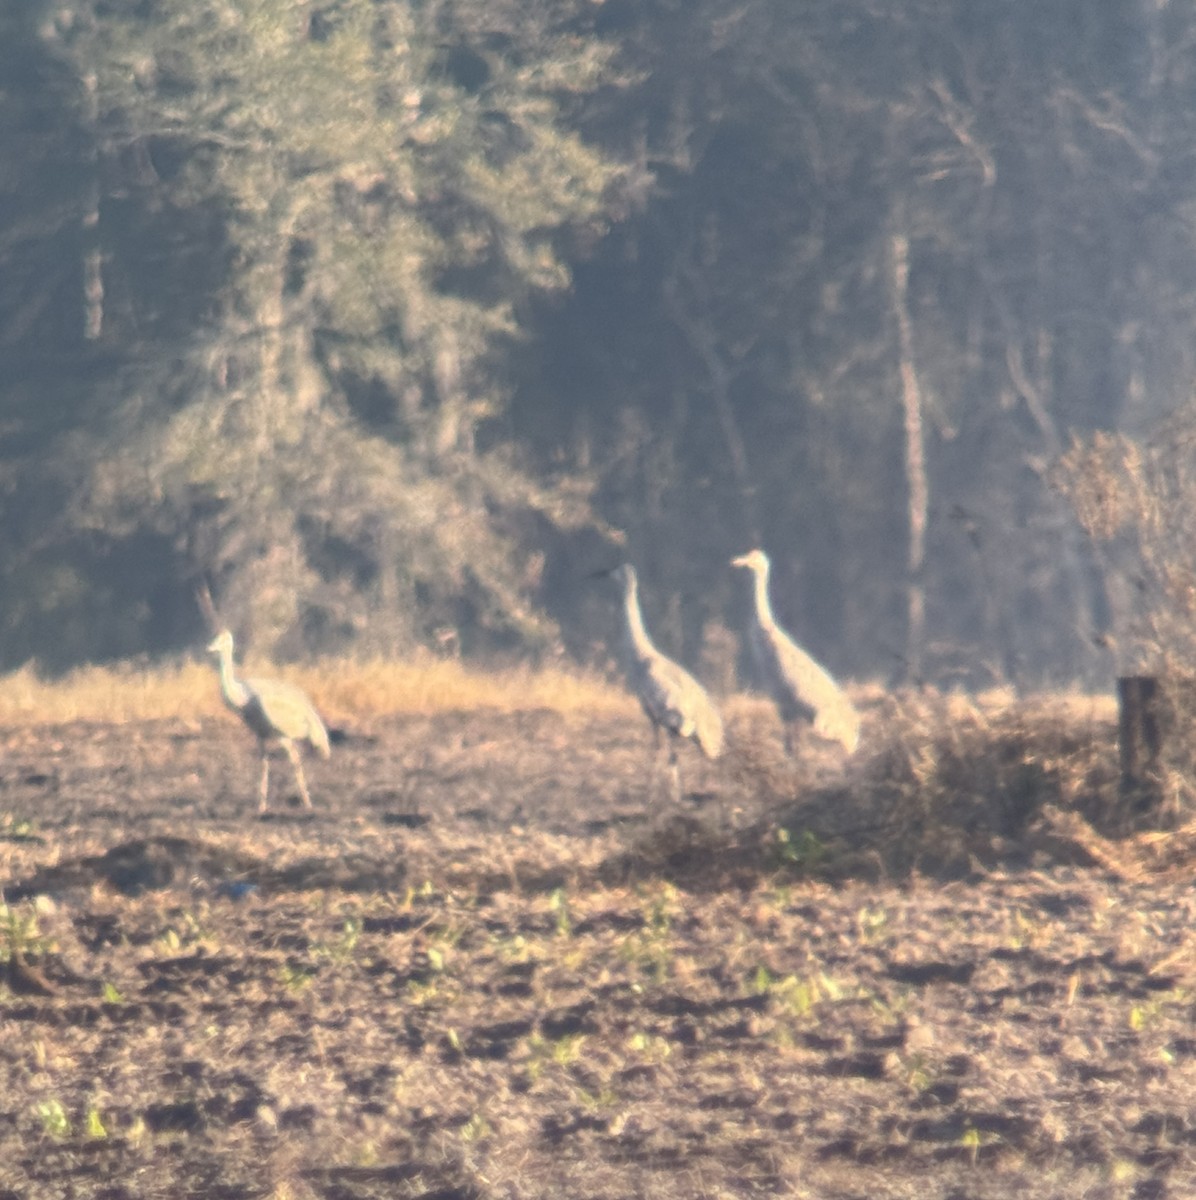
x,y
235,693
637,635
764,612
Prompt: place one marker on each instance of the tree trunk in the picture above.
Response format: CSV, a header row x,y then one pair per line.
x,y
1140,741
93,273
915,460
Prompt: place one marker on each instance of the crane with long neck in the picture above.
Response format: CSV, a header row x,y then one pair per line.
x,y
803,690
278,713
673,700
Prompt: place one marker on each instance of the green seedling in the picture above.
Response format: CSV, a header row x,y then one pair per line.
x,y
557,1052
169,940
93,1124
55,1122
798,996
475,1128
1143,1015
970,1141
559,903
801,851
293,977
18,829
917,1073
660,909
871,923
567,1049
651,949
652,1046
341,949
19,934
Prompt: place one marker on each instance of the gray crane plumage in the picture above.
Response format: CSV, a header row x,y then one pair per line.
x,y
674,701
278,713
803,690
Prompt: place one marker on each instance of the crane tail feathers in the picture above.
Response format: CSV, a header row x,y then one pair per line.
x,y
842,726
709,733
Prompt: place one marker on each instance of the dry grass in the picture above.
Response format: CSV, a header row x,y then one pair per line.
x,y
947,782
341,688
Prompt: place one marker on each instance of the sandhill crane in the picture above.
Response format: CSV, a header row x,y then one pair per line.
x,y
803,690
675,702
277,712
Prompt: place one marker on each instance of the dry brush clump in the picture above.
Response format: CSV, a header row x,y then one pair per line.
x,y
1136,500
947,783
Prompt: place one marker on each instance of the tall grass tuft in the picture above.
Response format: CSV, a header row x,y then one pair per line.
x,y
339,687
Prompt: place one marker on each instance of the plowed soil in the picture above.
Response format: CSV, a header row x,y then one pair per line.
x,y
497,960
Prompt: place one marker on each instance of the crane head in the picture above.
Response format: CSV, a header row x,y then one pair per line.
x,y
222,643
754,560
622,574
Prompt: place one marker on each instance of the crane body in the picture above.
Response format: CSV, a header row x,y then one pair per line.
x,y
276,712
673,700
803,690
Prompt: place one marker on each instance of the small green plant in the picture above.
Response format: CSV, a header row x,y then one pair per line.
x,y
18,829
169,940
513,949
651,948
294,977
111,995
19,933
55,1122
917,1073
567,1049
871,923
1143,1015
660,909
557,1052
603,1098
801,851
797,996
93,1124
559,903
341,948
651,1045
970,1141
475,1128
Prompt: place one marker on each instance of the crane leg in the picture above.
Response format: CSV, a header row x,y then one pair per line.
x,y
297,763
263,787
674,772
792,737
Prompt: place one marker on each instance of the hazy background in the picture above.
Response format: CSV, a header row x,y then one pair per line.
x,y
396,318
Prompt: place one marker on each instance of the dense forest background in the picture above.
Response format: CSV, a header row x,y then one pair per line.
x,y
396,318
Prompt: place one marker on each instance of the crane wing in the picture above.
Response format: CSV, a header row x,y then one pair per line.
x,y
674,699
278,709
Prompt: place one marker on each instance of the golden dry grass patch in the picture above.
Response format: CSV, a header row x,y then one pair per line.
x,y
339,687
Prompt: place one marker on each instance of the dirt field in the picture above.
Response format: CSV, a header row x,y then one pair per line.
x,y
495,962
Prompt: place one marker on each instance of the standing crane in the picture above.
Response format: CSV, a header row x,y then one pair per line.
x,y
803,690
277,712
675,702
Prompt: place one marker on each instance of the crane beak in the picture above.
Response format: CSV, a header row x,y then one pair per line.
x,y
741,561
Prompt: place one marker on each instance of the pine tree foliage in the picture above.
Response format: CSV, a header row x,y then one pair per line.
x,y
385,194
